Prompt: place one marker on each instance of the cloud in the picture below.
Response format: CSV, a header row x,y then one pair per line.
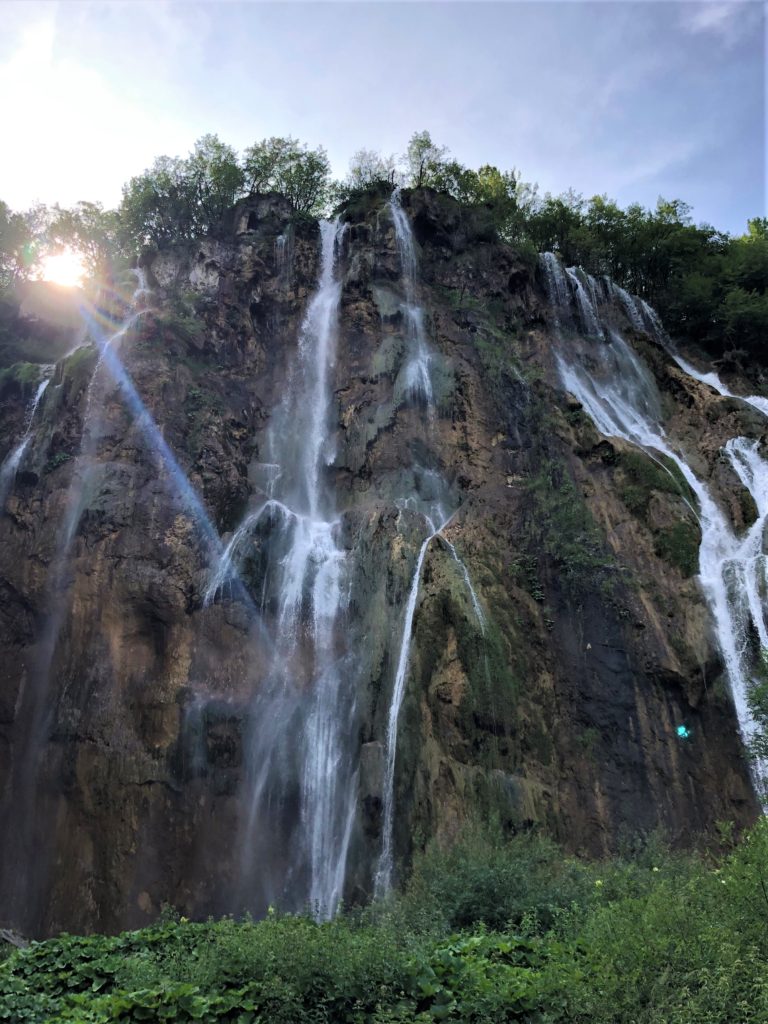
x,y
729,20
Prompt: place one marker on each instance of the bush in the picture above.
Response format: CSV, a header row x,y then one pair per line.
x,y
524,884
643,938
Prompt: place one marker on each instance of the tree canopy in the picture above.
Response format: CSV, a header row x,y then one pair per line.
x,y
709,287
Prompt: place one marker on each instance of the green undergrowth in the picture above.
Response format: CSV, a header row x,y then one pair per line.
x,y
489,930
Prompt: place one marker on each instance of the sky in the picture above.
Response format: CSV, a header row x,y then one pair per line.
x,y
632,99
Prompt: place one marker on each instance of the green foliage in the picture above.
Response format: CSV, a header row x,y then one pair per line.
x,y
284,165
524,883
689,948
643,474
367,168
25,375
494,978
56,460
19,243
487,932
89,230
181,198
424,160
708,287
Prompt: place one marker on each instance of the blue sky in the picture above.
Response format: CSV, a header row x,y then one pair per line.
x,y
634,99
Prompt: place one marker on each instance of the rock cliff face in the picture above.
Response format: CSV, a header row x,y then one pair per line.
x,y
560,635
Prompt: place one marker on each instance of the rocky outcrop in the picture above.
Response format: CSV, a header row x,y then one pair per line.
x,y
125,713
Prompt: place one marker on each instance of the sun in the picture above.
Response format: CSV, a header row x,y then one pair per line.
x,y
64,268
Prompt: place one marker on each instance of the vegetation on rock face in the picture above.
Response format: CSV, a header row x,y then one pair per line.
x,y
561,527
486,931
709,287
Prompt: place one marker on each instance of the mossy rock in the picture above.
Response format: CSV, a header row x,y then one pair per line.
x,y
679,546
641,474
21,376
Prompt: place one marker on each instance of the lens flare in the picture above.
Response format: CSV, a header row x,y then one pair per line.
x,y
64,268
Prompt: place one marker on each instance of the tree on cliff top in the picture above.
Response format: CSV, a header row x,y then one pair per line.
x,y
284,165
182,198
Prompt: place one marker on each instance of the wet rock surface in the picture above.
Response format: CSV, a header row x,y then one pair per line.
x,y
125,702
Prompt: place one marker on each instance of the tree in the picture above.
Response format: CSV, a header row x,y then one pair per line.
x,y
91,231
216,179
424,160
182,198
20,235
284,165
368,167
158,206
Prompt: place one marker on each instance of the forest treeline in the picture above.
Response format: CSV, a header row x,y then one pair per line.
x,y
709,287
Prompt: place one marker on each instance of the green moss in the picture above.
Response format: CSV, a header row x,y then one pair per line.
x,y
679,546
525,571
82,356
587,739
56,460
640,475
561,528
25,375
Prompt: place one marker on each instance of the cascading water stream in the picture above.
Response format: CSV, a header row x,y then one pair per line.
x,y
435,510
621,398
587,311
301,743
12,461
383,880
712,379
418,379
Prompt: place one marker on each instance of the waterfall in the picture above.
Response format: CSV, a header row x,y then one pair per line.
x,y
433,504
629,305
620,395
479,613
418,379
383,881
300,747
712,379
587,311
12,461
555,282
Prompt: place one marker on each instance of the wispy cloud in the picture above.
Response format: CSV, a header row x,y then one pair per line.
x,y
729,20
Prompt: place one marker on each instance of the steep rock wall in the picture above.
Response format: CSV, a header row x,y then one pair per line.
x,y
125,715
